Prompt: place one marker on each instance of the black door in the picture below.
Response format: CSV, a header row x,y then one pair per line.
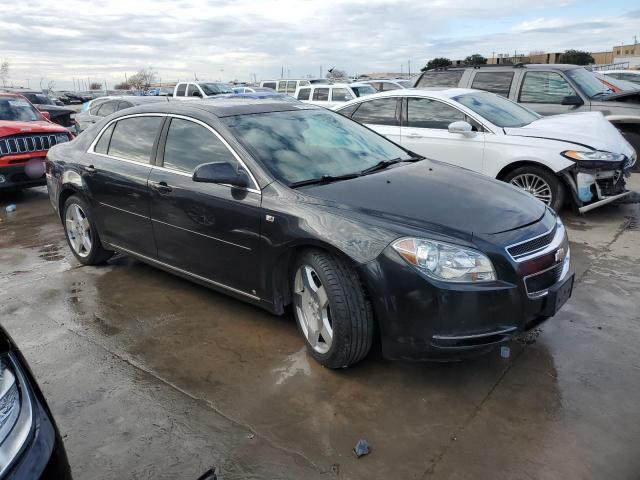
x,y
206,229
118,183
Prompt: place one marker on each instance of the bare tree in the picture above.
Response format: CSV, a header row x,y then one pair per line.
x,y
143,79
4,71
335,74
95,86
122,86
51,85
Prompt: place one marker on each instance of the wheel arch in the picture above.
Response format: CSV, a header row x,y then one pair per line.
x,y
507,169
67,191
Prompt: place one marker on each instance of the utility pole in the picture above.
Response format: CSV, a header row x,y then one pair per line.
x,y
320,72
401,70
409,62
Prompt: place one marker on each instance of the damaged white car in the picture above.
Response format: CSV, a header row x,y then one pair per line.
x,y
578,157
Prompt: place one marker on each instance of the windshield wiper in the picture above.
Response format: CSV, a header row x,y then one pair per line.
x,y
323,179
386,163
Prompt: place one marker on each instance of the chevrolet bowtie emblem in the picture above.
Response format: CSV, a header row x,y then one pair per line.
x,y
560,254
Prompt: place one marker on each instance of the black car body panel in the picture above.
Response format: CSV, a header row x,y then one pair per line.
x,y
242,240
43,455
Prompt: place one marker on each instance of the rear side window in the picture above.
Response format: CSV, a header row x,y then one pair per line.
x,y
427,113
440,79
107,108
321,94
304,93
123,105
189,145
269,85
291,87
103,144
494,82
282,87
386,86
340,95
94,108
181,89
377,112
544,87
133,138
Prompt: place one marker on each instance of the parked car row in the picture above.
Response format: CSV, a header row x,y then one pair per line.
x,y
547,90
45,103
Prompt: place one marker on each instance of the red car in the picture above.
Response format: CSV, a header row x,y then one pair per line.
x,y
26,135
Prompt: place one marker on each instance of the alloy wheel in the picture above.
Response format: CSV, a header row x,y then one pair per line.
x,y
312,309
78,230
535,185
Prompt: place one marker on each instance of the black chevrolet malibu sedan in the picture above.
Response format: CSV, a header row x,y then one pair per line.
x,y
280,203
30,445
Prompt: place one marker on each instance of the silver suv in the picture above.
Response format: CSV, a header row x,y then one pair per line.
x,y
546,89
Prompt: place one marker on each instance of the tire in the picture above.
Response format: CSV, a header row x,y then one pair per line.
x,y
344,308
81,232
542,184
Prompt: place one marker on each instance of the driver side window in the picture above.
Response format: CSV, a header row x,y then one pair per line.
x,y
193,89
190,144
544,87
427,113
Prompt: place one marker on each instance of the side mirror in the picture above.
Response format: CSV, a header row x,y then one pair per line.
x,y
221,173
196,94
572,100
46,115
461,127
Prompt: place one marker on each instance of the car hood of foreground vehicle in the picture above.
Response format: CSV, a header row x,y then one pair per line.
x,y
10,127
429,193
589,129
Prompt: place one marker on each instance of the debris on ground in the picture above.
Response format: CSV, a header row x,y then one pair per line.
x,y
11,208
361,448
505,352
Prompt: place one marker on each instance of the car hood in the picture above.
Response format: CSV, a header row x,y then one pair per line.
x,y
589,129
430,194
632,96
54,110
15,128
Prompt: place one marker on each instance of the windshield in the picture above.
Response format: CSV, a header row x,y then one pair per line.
x,y
309,144
587,82
18,110
498,110
215,88
363,90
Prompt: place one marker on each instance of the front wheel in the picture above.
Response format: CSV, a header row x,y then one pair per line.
x,y
81,232
331,309
542,184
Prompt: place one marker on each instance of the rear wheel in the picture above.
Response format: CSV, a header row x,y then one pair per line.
x,y
540,183
82,234
331,309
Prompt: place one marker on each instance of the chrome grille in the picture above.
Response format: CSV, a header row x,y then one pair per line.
x,y
538,283
528,247
27,144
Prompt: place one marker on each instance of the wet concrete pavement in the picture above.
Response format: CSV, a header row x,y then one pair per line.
x,y
151,376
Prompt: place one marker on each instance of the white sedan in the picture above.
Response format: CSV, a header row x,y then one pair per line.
x,y
579,154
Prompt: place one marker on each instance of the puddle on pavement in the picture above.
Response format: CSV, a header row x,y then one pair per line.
x,y
294,364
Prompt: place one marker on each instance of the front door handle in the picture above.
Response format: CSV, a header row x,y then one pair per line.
x,y
413,135
161,187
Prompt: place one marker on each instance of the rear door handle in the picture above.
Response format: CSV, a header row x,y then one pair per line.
x,y
161,187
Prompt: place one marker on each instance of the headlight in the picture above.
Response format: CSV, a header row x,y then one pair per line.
x,y
596,155
15,411
61,138
444,261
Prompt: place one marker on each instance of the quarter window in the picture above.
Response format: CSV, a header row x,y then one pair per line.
x,y
386,86
181,89
103,144
377,112
427,113
321,94
291,87
123,105
340,95
494,82
189,145
544,87
282,87
304,94
133,138
440,79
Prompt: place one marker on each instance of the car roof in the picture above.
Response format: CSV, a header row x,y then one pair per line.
x,y
430,92
224,106
528,66
633,72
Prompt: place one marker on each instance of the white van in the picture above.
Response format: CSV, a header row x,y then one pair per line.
x,y
195,90
290,86
332,95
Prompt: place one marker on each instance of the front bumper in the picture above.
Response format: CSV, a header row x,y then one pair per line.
x,y
422,319
594,184
14,176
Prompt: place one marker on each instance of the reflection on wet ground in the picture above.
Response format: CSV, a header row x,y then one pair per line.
x,y
151,376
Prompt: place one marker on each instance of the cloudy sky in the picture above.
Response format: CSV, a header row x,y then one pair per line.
x,y
228,39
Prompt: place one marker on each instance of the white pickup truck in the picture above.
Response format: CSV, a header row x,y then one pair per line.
x,y
193,90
